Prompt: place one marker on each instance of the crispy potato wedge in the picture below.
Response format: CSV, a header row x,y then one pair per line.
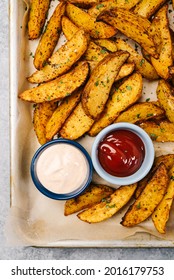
x,y
167,160
140,112
41,115
159,132
95,52
107,44
83,3
97,89
96,29
37,17
62,60
146,8
77,124
141,64
93,195
59,88
49,38
127,94
69,28
61,114
145,204
99,8
165,59
166,99
108,206
132,30
125,70
161,214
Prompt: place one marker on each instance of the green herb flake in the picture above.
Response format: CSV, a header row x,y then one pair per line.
x,y
110,206
103,51
153,136
149,115
148,99
96,83
129,87
138,205
142,62
138,116
172,178
99,6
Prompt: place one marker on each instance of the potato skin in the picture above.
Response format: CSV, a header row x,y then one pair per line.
x,y
37,16
49,38
148,200
148,10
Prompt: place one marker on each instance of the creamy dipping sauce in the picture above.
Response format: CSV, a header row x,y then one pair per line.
x,y
62,168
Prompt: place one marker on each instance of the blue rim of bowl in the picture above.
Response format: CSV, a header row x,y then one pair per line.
x,y
47,192
146,165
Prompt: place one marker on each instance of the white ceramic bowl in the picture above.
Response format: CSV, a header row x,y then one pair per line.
x,y
145,166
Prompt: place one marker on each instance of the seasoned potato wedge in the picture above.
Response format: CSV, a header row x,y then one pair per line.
x,y
146,8
37,16
58,88
165,59
83,3
159,132
49,38
93,195
96,29
42,114
132,30
161,214
97,89
145,204
127,94
99,8
61,114
108,206
77,124
125,70
68,27
166,99
62,60
107,44
167,160
141,64
140,112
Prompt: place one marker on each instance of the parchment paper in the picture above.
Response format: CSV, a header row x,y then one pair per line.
x,y
33,218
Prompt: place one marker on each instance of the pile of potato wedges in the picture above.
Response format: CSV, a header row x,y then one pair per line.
x,y
96,78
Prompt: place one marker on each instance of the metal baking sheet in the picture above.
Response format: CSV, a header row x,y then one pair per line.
x,y
21,198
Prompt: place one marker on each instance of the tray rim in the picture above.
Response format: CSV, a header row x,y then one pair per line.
x,y
155,243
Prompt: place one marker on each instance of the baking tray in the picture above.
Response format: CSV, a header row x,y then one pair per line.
x,y
21,226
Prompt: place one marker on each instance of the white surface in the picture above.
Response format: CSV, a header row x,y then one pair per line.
x,y
8,252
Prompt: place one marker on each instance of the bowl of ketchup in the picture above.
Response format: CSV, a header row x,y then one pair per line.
x,y
122,153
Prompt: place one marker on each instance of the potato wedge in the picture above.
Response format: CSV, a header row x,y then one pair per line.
x,y
97,89
132,30
93,195
49,38
127,94
159,132
165,59
167,160
62,60
148,200
109,206
140,112
42,114
107,44
146,8
37,17
166,99
69,28
96,29
125,70
161,214
141,64
99,8
83,3
77,124
59,88
61,114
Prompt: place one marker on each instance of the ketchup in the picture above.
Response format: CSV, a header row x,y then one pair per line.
x,y
121,153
